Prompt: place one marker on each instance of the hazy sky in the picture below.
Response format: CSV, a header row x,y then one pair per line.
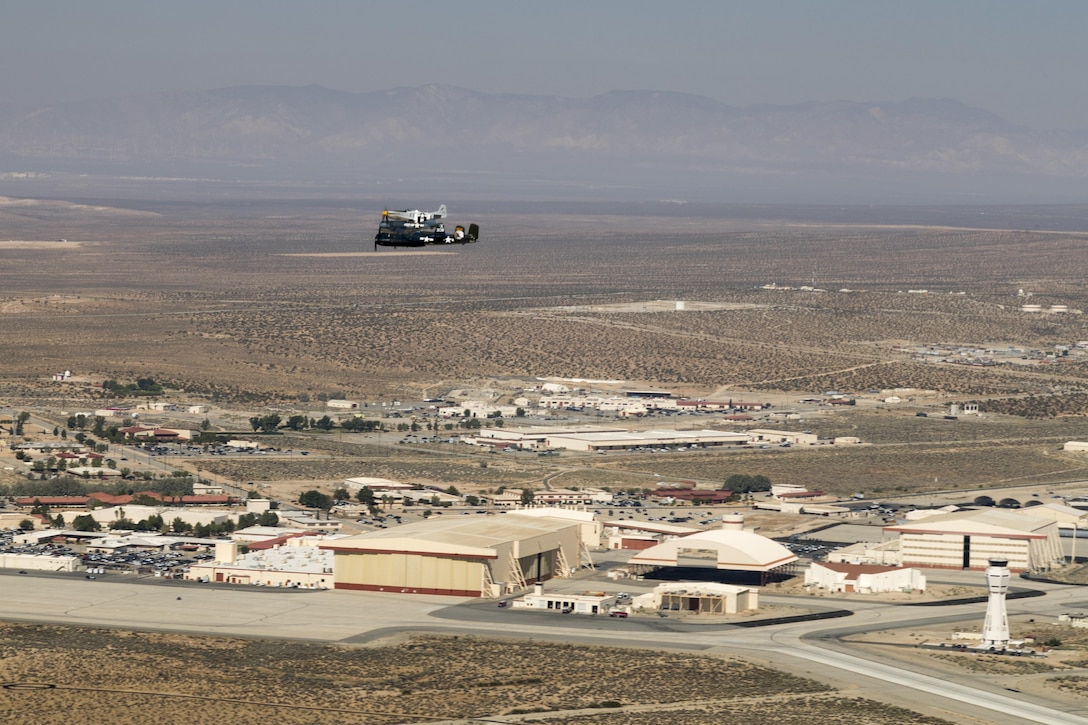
x,y
1024,61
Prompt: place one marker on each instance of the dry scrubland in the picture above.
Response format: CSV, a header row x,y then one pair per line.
x,y
118,677
908,454
206,297
211,299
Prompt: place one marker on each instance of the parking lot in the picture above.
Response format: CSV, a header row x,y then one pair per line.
x,y
168,564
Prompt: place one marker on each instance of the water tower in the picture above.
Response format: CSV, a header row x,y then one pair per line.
x,y
995,632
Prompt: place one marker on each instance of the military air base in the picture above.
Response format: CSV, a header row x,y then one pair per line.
x,y
378,364
372,464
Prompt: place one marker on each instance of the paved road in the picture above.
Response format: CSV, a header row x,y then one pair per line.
x,y
349,617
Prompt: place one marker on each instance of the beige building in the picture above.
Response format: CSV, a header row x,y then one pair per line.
x,y
728,548
460,556
38,562
778,437
699,598
295,564
969,539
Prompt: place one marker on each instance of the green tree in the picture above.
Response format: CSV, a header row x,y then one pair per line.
x,y
341,494
270,422
472,500
268,518
298,422
205,425
316,500
365,496
255,421
324,423
26,525
85,522
452,490
58,521
526,497
744,483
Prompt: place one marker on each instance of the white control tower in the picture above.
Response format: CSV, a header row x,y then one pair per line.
x,y
995,632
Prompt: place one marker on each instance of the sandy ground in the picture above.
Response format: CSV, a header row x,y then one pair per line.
x,y
362,254
39,244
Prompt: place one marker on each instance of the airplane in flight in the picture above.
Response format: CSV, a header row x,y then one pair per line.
x,y
415,228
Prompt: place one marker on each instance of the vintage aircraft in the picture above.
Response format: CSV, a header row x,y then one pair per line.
x,y
415,228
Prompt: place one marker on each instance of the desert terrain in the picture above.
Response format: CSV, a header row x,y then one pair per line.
x,y
274,305
259,305
54,672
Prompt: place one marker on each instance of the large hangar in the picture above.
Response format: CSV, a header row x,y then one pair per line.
x,y
970,539
477,557
730,548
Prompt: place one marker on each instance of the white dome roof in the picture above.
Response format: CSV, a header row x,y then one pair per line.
x,y
737,550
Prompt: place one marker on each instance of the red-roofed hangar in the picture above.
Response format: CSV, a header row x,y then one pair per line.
x,y
477,557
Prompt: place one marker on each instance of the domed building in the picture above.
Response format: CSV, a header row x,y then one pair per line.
x,y
729,548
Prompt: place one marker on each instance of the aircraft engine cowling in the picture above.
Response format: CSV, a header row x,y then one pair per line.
x,y
459,233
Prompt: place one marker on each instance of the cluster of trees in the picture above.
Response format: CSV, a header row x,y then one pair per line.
x,y
86,522
265,423
360,425
316,500
744,483
142,386
70,486
301,422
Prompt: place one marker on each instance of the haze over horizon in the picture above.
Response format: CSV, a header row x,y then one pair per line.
x,y
1020,62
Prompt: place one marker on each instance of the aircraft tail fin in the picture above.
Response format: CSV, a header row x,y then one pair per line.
x,y
473,232
441,213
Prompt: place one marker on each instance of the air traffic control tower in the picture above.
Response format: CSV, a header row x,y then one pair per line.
x,y
995,632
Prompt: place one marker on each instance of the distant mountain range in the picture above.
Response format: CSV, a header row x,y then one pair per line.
x,y
653,143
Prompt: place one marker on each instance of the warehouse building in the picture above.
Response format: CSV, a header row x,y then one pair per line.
x,y
467,557
969,539
651,439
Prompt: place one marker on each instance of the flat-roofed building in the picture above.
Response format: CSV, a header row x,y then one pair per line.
x,y
294,563
375,484
700,598
628,440
566,602
778,437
